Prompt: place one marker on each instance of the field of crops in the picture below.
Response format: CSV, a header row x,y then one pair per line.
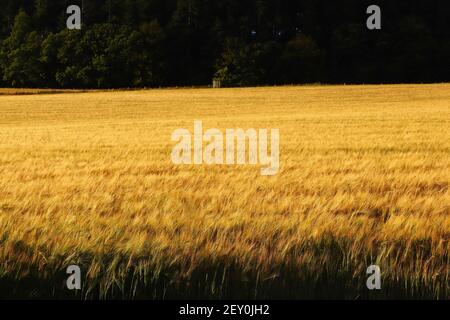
x,y
87,179
21,92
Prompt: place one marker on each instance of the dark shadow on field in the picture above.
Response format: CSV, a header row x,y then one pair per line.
x,y
338,277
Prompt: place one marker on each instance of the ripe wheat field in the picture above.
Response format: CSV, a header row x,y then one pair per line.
x,y
87,179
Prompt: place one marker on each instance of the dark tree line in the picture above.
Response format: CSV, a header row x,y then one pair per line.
x,y
137,43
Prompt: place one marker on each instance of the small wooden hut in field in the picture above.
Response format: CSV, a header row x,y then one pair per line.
x,y
217,83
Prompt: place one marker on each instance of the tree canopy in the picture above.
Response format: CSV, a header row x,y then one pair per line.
x,y
152,43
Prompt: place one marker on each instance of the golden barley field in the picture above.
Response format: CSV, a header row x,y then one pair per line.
x,y
87,179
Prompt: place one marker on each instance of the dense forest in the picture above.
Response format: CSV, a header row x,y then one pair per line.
x,y
152,43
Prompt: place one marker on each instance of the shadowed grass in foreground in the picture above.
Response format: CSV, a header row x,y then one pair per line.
x,y
338,276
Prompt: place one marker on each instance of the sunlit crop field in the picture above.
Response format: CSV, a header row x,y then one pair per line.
x,y
87,179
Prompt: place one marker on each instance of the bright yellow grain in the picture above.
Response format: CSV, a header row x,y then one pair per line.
x,y
87,178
